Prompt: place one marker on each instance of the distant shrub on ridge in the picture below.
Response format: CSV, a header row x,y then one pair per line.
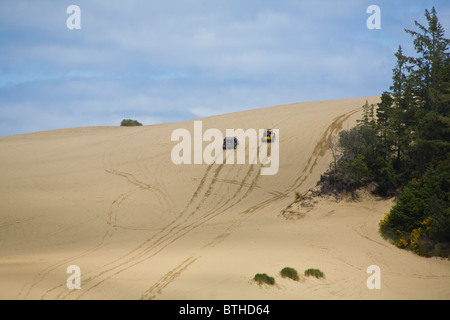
x,y
130,123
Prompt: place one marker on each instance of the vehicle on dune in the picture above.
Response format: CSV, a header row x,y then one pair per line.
x,y
230,143
268,136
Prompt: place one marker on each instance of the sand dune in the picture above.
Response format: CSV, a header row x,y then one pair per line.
x,y
110,200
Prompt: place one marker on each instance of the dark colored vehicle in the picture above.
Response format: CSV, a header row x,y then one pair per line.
x,y
230,143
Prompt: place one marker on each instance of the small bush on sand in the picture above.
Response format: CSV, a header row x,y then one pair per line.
x,y
264,278
290,273
315,273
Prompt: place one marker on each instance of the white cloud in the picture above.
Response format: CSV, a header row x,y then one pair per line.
x,y
175,59
204,37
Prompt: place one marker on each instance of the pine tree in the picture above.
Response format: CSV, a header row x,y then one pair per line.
x,y
384,112
431,69
402,114
431,87
417,114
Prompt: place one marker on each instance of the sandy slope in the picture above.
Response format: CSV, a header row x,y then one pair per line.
x,y
110,200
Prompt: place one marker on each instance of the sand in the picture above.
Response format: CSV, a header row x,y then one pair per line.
x,y
111,201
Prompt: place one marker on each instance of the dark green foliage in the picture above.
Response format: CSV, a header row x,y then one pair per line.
x,y
291,273
264,278
314,273
358,153
425,198
409,210
386,179
421,131
405,147
130,123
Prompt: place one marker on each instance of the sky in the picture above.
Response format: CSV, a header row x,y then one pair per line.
x,y
161,61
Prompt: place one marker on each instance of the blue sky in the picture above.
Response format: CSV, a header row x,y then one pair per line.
x,y
172,60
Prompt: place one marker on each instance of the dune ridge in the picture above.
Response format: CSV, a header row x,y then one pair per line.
x,y
110,200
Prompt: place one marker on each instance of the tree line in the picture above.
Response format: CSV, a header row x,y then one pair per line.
x,y
402,146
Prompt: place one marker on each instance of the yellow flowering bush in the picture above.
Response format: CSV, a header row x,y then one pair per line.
x,y
426,223
384,221
415,234
402,243
413,239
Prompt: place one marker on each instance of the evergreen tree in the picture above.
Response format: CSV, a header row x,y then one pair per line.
x,y
431,87
405,149
402,115
431,69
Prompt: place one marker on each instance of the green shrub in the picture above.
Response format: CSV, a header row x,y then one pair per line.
x,y
422,205
264,278
290,273
130,123
315,273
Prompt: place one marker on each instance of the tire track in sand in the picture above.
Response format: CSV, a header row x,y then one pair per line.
x,y
138,254
170,276
111,221
236,222
201,190
321,148
176,232
164,282
319,151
